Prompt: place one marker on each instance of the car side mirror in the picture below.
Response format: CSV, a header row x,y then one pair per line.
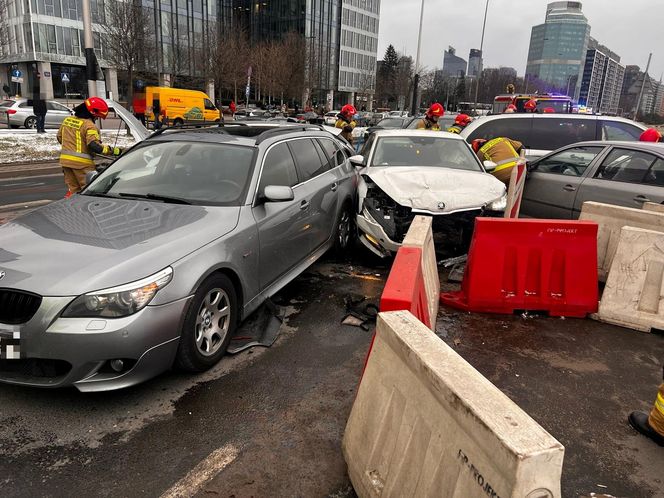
x,y
490,165
278,193
90,176
357,160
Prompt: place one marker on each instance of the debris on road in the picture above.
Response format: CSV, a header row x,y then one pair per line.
x,y
359,314
259,329
446,263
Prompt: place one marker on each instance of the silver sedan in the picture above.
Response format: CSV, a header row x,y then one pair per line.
x,y
18,113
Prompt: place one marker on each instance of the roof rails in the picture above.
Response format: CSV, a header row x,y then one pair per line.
x,y
220,124
286,129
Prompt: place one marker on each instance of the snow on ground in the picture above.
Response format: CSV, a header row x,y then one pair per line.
x,y
24,147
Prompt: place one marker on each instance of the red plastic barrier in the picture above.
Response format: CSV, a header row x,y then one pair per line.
x,y
534,265
404,289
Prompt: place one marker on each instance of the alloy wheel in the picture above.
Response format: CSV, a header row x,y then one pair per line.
x,y
212,322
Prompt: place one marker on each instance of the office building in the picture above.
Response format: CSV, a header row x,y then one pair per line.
x,y
474,63
602,82
453,65
558,48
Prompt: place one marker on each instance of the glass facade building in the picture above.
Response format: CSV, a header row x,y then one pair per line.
x,y
558,48
474,63
601,86
453,65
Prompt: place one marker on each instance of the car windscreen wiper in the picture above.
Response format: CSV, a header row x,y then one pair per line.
x,y
156,197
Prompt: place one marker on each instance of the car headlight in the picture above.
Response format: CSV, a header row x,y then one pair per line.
x,y
120,301
498,205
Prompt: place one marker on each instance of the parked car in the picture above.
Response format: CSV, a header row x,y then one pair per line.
x,y
331,118
167,250
544,133
623,173
409,172
445,122
398,114
18,112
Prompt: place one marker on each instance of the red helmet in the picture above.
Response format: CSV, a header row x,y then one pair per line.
x,y
436,110
651,135
478,143
463,120
348,110
511,107
97,107
531,105
549,110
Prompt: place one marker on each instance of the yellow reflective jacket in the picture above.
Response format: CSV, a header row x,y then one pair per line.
x,y
425,124
76,135
347,127
504,152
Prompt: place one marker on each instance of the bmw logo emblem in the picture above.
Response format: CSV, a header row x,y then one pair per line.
x,y
441,205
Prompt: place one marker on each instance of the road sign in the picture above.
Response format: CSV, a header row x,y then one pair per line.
x,y
16,73
47,74
65,78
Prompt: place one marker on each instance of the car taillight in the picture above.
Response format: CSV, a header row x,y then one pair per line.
x,y
11,111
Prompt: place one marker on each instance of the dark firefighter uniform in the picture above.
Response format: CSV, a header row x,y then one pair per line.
x,y
80,139
427,124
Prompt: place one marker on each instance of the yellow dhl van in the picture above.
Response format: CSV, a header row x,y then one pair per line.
x,y
180,106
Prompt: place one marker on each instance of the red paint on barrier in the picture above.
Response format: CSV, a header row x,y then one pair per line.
x,y
532,265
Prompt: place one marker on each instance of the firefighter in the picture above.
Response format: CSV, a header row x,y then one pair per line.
x,y
81,139
651,426
430,120
461,121
510,109
651,135
346,123
502,151
530,106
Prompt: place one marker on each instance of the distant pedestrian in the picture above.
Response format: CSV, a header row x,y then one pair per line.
x,y
139,106
233,108
39,108
651,426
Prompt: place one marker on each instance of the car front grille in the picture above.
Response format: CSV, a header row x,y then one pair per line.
x,y
17,307
33,369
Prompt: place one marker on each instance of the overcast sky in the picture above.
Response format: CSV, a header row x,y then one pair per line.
x,y
631,28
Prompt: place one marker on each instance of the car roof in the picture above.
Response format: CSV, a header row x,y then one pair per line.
x,y
401,132
657,147
239,133
523,115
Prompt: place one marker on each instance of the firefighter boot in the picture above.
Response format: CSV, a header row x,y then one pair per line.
x,y
651,426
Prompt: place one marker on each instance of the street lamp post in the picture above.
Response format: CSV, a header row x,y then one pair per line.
x,y
416,79
479,73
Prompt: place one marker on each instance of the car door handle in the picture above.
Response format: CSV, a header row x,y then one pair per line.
x,y
335,186
569,188
304,205
641,198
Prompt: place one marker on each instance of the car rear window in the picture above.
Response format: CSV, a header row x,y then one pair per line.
x,y
554,133
516,128
617,130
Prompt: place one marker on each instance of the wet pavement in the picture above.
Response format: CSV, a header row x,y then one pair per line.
x,y
277,415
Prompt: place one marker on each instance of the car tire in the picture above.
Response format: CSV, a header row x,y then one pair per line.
x,y
209,324
178,123
30,123
344,233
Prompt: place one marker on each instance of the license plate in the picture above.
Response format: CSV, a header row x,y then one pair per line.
x,y
10,344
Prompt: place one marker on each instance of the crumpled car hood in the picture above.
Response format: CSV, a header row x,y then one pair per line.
x,y
425,188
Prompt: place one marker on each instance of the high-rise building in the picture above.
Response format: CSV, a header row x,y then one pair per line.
x,y
453,65
474,63
558,48
601,85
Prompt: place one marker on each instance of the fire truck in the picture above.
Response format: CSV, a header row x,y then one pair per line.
x,y
559,103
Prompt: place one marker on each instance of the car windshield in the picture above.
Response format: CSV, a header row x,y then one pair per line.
x,y
390,123
182,172
437,151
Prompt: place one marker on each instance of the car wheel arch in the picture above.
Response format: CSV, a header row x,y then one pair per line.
x,y
233,276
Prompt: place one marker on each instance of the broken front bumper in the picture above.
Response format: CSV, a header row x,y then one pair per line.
x,y
373,236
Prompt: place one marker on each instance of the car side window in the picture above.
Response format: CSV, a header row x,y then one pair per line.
x,y
54,106
554,133
278,168
571,162
330,152
656,174
518,129
623,165
615,130
209,105
308,160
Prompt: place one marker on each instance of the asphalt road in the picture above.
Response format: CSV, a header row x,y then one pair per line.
x,y
33,188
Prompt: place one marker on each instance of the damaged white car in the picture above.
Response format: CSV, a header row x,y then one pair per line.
x,y
410,172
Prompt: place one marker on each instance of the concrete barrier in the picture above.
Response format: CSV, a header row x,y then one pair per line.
x,y
420,235
515,188
633,293
426,423
653,206
611,219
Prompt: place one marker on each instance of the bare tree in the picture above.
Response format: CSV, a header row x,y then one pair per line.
x,y
128,37
7,37
229,59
